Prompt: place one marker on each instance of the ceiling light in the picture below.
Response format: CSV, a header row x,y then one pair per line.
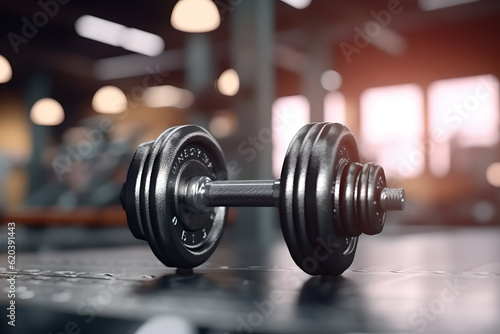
x,y
195,16
47,112
5,70
109,100
390,42
228,82
493,174
331,80
168,96
115,34
299,4
437,4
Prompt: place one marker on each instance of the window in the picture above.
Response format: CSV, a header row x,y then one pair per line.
x,y
290,113
392,129
334,108
463,112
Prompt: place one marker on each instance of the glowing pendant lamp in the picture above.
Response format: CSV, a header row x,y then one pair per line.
x,y
195,16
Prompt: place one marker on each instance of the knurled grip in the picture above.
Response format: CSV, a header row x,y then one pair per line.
x,y
240,193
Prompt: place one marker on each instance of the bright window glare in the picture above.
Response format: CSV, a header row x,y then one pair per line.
x,y
118,35
334,108
290,113
464,112
392,128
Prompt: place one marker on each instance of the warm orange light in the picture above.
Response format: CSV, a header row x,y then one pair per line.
x,y
223,124
168,96
47,112
195,16
493,174
109,100
5,70
229,82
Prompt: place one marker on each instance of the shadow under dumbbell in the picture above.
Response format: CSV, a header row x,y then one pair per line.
x,y
324,290
192,282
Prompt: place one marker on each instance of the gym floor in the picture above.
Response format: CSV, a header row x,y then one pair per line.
x,y
409,279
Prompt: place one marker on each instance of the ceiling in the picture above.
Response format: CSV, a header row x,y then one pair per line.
x,y
70,59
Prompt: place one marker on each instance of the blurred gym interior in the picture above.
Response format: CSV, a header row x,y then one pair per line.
x,y
83,83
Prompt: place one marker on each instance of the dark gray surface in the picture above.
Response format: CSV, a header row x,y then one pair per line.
x,y
406,280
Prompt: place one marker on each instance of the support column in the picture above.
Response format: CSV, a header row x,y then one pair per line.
x,y
200,71
38,86
251,48
317,60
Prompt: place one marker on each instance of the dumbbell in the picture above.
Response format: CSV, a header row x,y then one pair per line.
x,y
176,196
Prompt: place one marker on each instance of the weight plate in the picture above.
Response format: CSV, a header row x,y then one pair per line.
x,y
178,237
375,215
131,191
144,196
334,149
350,224
287,194
362,202
301,191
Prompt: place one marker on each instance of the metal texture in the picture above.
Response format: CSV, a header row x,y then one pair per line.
x,y
392,199
153,196
307,202
326,196
240,193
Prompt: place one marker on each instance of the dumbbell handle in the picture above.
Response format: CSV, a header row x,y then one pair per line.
x,y
202,193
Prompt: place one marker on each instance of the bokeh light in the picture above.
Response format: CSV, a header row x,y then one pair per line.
x,y
109,100
5,70
493,174
195,16
47,112
229,82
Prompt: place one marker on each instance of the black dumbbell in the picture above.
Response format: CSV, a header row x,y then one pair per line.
x,y
177,191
